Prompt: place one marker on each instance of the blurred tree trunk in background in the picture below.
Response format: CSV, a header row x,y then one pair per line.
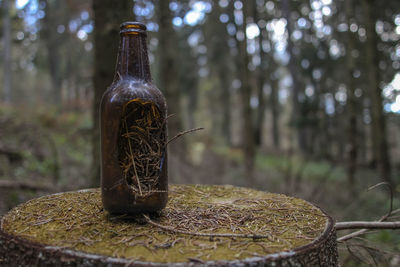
x,y
188,76
53,41
6,51
168,72
274,107
220,64
248,141
226,104
224,79
108,15
351,105
378,120
265,76
292,65
261,77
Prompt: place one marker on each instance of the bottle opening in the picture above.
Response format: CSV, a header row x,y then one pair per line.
x,y
131,27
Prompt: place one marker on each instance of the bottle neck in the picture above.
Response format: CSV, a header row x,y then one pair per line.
x,y
132,57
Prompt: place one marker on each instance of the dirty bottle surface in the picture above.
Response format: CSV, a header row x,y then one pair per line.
x,y
133,121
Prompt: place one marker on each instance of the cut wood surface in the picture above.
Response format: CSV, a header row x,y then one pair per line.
x,y
201,225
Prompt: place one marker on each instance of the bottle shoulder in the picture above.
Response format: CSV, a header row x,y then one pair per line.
x,y
126,89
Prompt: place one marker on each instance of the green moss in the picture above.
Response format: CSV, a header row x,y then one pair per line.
x,y
77,220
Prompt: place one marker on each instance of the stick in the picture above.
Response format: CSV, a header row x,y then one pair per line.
x,y
183,133
363,231
382,219
7,184
170,229
367,225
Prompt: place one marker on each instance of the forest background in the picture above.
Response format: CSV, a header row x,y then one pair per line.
x,y
296,97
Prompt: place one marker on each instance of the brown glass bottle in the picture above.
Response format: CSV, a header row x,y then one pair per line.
x,y
133,123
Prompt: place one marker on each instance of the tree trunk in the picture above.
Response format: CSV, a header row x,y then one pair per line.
x,y
6,52
108,15
168,71
226,106
351,148
72,229
261,74
53,41
188,76
193,99
378,120
274,102
220,65
247,112
292,65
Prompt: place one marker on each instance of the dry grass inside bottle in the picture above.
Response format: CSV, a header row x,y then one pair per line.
x,y
141,144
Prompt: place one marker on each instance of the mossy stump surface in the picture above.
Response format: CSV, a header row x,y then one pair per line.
x,y
73,229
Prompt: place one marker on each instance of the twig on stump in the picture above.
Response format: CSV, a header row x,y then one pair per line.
x,y
170,229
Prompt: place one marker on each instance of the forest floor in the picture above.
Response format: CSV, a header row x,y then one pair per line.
x,y
46,151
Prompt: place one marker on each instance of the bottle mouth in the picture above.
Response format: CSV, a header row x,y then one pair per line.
x,y
132,27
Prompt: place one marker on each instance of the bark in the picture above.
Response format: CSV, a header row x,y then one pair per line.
x,y
6,52
378,120
20,252
168,69
247,112
292,65
108,15
351,148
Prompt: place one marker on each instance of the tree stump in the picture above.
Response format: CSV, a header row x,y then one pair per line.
x,y
201,225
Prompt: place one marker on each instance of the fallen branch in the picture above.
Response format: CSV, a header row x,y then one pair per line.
x,y
170,229
367,225
352,235
13,156
7,184
380,224
364,229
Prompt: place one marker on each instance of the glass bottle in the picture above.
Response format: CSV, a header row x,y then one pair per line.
x,y
133,121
